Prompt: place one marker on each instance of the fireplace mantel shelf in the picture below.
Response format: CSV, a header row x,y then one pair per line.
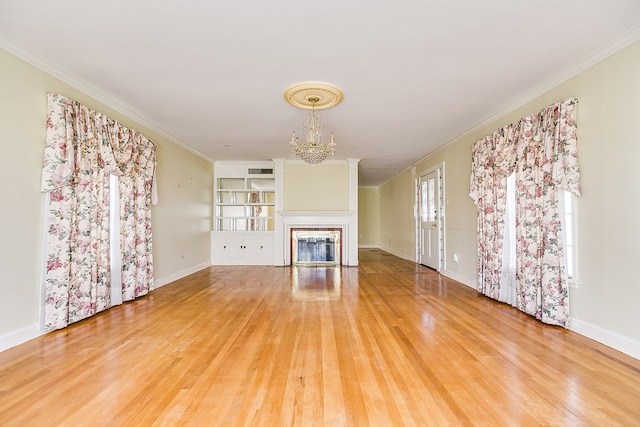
x,y
317,213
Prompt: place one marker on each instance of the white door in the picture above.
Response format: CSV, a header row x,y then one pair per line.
x,y
429,220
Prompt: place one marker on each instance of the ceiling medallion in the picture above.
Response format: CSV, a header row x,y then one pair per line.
x,y
303,95
312,96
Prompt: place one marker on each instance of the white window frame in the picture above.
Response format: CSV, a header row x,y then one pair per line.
x,y
569,220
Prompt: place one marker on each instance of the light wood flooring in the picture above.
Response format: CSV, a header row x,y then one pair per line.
x,y
388,343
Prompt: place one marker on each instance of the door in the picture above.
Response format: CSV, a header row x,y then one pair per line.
x,y
429,186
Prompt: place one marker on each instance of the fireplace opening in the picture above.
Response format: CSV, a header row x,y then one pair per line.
x,y
315,247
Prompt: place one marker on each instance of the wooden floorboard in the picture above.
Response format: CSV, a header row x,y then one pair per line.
x,y
383,344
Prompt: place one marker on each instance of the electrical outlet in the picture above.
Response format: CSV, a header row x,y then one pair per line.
x,y
456,258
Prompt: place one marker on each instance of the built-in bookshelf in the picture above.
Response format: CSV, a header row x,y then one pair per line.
x,y
245,204
244,213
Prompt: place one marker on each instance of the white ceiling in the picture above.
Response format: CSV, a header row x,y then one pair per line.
x,y
415,73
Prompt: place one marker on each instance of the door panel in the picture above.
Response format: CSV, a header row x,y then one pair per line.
x,y
429,220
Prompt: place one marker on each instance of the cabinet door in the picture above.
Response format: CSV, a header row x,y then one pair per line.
x,y
265,249
237,247
256,248
230,248
251,248
219,249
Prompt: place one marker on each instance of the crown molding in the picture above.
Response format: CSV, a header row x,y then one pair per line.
x,y
94,93
594,58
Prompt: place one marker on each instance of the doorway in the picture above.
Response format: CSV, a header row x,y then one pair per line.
x,y
430,218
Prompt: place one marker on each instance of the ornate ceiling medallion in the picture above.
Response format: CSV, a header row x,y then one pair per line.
x,y
313,95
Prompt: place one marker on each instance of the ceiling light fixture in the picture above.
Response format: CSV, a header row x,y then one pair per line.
x,y
313,95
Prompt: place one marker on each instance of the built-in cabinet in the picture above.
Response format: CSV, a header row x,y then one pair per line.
x,y
251,224
244,213
230,247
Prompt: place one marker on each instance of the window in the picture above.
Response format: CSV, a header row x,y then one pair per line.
x,y
429,199
569,226
568,219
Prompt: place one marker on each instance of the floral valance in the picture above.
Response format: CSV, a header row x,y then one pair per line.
x,y
546,139
76,134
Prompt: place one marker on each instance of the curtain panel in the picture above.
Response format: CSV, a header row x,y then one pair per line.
x,y
541,149
83,148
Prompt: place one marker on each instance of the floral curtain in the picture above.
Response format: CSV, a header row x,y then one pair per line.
x,y
541,149
493,161
83,148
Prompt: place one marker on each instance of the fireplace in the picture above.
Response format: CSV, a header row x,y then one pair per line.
x,y
316,246
345,223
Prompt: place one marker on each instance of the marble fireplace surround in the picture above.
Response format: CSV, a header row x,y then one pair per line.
x,y
345,222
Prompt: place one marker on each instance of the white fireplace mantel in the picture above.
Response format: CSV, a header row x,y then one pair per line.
x,y
346,221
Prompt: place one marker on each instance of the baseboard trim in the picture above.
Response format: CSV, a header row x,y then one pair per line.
x,y
603,336
398,254
460,278
606,337
180,274
19,336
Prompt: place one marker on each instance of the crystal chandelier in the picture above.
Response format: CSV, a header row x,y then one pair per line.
x,y
314,150
312,95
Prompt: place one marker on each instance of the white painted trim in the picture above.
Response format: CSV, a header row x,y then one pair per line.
x,y
95,93
278,234
43,267
460,278
27,333
157,283
626,40
333,161
398,254
438,168
606,337
19,336
352,247
603,336
345,220
268,262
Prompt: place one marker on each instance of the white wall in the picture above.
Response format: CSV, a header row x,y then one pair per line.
x,y
181,220
605,306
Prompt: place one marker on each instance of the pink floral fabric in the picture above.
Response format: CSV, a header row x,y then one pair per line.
x,y
83,148
542,151
493,161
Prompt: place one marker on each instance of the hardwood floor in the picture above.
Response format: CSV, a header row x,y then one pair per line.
x,y
387,343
